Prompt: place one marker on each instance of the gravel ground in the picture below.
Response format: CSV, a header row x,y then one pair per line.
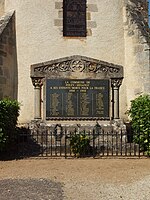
x,y
30,189
75,179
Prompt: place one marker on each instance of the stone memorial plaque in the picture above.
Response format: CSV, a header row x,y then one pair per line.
x,y
84,98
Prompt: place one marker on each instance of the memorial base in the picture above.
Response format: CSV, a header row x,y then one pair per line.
x,y
105,125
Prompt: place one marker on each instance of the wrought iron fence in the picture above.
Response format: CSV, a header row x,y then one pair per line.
x,y
47,142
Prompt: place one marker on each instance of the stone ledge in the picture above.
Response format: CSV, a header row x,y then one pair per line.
x,y
91,24
58,22
92,8
58,5
88,16
60,14
89,32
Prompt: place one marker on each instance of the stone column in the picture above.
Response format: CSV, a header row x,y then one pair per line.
x,y
115,84
37,82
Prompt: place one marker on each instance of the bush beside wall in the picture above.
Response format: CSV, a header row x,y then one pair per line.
x,y
140,120
9,112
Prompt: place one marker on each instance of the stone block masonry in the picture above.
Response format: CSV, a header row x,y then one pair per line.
x,y
137,48
8,60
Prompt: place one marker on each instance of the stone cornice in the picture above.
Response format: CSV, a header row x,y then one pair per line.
x,y
76,64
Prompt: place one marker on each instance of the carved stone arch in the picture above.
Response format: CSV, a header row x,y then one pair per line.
x,y
78,67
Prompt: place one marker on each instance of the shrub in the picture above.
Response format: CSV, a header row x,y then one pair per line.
x,y
80,144
9,112
3,139
140,121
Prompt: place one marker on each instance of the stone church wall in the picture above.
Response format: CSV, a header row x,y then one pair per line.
x,y
114,35
8,62
2,7
137,48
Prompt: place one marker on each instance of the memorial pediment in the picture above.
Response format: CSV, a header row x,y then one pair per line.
x,y
77,88
76,64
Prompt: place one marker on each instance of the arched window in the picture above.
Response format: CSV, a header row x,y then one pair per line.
x,y
74,18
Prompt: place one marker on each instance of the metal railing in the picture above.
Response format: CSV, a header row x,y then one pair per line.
x,y
45,142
